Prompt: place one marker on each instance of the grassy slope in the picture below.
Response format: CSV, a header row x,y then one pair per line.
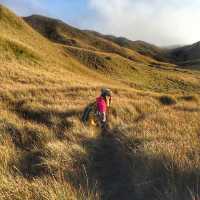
x,y
58,31
46,153
128,66
22,44
139,46
157,77
186,56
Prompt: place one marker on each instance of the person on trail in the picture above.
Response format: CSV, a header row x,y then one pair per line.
x,y
96,113
103,103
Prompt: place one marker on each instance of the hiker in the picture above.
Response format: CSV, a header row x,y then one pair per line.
x,y
103,103
96,113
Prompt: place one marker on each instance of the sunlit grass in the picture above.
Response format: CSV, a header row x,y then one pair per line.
x,y
153,150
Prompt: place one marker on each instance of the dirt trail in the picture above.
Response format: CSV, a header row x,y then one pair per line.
x,y
111,166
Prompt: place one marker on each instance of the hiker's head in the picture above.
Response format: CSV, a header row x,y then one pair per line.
x,y
107,95
105,92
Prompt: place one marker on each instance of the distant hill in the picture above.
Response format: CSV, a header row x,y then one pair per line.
x,y
186,56
141,47
135,63
60,32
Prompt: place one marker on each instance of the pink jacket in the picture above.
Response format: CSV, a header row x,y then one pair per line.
x,y
101,104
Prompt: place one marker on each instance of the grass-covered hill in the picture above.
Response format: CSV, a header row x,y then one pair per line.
x,y
187,56
184,56
152,149
60,32
121,61
141,47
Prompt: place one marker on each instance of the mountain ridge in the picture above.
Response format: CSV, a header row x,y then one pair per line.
x,y
140,46
79,38
59,31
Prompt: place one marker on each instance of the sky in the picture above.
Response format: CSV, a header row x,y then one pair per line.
x,y
160,22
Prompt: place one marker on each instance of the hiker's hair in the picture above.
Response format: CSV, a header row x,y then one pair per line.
x,y
105,92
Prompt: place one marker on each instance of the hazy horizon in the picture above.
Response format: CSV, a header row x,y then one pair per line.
x,y
157,22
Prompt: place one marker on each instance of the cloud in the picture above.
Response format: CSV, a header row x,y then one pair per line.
x,y
155,21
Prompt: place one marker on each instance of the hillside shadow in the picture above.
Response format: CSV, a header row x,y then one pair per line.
x,y
123,172
31,141
185,109
56,120
112,166
109,167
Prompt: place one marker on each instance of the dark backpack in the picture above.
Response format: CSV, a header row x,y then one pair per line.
x,y
87,111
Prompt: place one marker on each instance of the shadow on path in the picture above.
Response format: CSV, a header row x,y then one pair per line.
x,y
123,172
110,165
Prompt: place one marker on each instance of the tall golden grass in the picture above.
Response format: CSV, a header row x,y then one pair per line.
x,y
151,150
